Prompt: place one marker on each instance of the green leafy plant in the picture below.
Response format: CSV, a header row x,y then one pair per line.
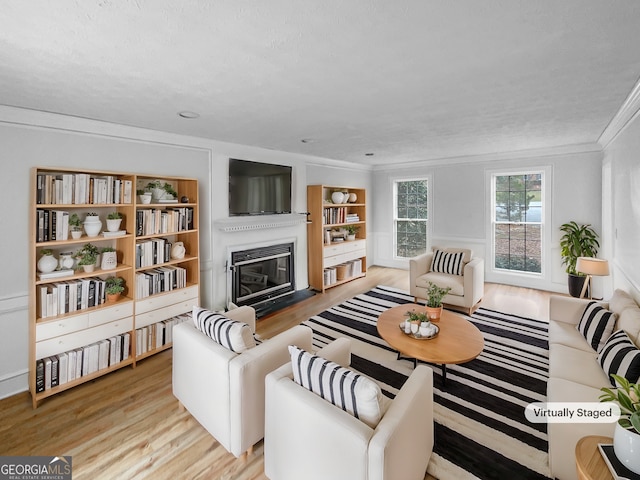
x,y
92,214
417,316
74,221
165,186
627,396
107,249
114,216
87,258
435,294
352,229
46,251
577,241
114,285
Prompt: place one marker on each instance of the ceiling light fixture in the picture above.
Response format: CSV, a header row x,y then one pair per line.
x,y
187,114
308,140
369,154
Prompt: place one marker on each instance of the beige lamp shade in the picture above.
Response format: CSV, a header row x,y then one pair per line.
x,y
592,266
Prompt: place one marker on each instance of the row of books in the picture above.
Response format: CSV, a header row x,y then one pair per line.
x,y
161,279
153,221
82,188
158,334
338,215
332,275
51,225
68,366
152,252
69,296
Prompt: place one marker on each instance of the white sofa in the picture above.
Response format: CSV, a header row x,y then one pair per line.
x,y
223,390
466,290
575,374
306,437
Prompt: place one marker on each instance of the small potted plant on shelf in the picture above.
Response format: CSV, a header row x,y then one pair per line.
x,y
435,294
144,196
626,437
351,231
88,261
161,191
109,259
47,262
113,221
114,286
75,225
577,241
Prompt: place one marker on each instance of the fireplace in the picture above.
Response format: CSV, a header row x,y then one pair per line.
x,y
262,274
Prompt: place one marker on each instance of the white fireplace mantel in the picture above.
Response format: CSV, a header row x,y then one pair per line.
x,y
259,222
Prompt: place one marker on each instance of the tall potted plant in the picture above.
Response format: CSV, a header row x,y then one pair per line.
x,y
577,241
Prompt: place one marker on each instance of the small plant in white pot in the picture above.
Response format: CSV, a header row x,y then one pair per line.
x,y
144,196
626,437
88,262
351,231
435,294
113,221
75,226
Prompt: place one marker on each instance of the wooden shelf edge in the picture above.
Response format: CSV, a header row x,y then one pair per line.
x,y
150,353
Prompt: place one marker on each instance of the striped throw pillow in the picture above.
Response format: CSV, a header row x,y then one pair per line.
x,y
447,262
231,334
620,356
340,386
596,325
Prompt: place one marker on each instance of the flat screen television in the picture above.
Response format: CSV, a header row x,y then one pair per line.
x,y
258,188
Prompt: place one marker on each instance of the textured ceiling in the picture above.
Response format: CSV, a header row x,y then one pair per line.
x,y
406,80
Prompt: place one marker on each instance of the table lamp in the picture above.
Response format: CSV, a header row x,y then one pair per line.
x,y
591,266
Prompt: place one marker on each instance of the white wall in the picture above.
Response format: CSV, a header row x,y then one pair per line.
x,y
460,209
622,207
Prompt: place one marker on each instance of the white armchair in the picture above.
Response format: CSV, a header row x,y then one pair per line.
x,y
466,290
308,437
223,390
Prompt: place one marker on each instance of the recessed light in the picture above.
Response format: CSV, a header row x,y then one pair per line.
x,y
368,154
187,114
308,140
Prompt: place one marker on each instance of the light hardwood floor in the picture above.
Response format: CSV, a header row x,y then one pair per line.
x,y
127,425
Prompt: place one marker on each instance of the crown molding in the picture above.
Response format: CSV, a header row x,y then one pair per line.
x,y
627,112
498,157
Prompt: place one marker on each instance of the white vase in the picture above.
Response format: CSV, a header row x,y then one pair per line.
x,y
47,263
145,198
66,261
425,328
109,260
178,251
113,225
415,326
75,234
337,197
626,446
92,226
352,198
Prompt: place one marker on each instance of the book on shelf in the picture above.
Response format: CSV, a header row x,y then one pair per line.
x,y
55,274
118,233
617,469
168,200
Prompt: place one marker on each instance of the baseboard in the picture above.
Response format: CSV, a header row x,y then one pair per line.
x,y
14,383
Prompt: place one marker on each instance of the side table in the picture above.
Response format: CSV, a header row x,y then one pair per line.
x,y
589,462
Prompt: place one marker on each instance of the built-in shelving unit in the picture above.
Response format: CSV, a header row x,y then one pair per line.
x,y
332,258
70,319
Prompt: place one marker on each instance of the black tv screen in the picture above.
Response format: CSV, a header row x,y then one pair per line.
x,y
258,188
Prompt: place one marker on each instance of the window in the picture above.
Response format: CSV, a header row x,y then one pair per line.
x,y
410,217
517,221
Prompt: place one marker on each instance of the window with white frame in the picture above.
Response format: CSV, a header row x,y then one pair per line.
x,y
517,218
410,216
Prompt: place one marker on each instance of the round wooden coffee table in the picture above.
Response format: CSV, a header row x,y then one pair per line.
x,y
459,341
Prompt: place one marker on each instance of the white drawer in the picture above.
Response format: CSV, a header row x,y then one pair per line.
x,y
109,314
331,250
61,327
354,245
164,299
154,316
344,257
65,343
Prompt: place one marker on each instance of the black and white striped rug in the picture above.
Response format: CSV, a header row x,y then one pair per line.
x,y
480,429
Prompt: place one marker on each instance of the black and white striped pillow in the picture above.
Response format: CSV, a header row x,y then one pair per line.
x,y
620,356
340,386
596,325
447,262
231,334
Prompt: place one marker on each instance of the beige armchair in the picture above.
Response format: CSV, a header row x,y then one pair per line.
x,y
308,437
466,290
223,390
